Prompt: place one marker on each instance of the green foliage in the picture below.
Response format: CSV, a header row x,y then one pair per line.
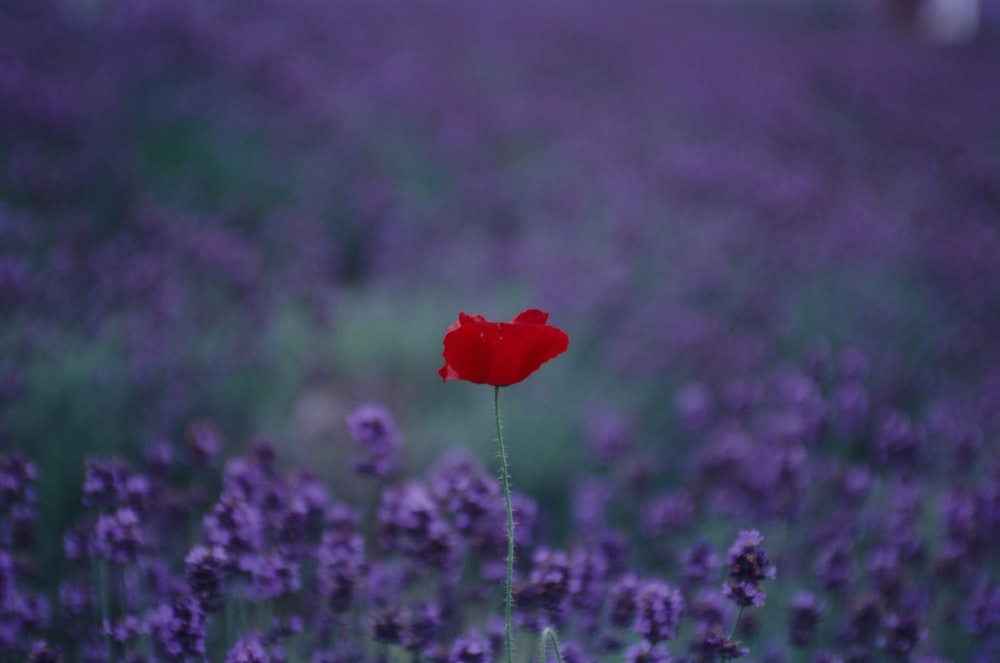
x,y
74,404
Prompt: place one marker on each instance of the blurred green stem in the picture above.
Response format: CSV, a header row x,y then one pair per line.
x,y
505,479
549,635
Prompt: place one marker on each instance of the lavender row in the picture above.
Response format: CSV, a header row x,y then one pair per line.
x,y
882,536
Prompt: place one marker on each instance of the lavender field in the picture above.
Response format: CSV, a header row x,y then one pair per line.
x,y
232,238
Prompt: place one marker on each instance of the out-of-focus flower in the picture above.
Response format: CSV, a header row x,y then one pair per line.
x,y
864,622
234,525
204,441
408,521
42,652
17,478
711,645
500,353
104,482
248,650
422,627
388,625
898,441
609,433
903,632
340,560
803,617
271,576
117,537
180,628
205,568
124,629
470,648
658,607
700,562
546,590
646,652
372,426
623,597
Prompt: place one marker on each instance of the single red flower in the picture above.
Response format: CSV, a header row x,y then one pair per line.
x,y
500,353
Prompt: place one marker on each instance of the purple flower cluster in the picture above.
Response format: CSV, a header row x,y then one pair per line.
x,y
871,558
795,247
373,428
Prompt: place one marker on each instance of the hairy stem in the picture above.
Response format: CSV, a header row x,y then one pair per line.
x,y
505,479
549,635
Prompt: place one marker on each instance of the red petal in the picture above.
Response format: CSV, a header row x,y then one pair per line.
x,y
500,353
468,352
532,317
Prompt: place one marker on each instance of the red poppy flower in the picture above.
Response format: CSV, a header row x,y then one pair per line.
x,y
500,353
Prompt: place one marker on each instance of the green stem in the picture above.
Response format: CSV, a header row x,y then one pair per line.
x,y
736,622
732,631
103,590
549,635
505,479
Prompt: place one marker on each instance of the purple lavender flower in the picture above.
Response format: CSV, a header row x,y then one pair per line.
x,y
6,575
205,568
248,650
340,560
659,608
470,648
373,428
699,562
234,525
571,653
886,571
159,456
850,409
694,403
710,608
853,363
623,598
835,564
981,615
903,632
803,618
118,537
591,498
17,477
42,652
104,482
710,645
179,628
76,542
668,513
748,566
243,479
75,598
609,434
647,652
388,625
124,629
466,491
272,576
588,571
422,627
525,510
744,594
546,589
204,441
747,560
898,441
827,657
864,621
409,522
